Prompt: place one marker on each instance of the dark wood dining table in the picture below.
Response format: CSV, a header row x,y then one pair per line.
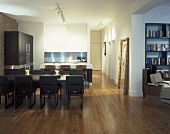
x,y
35,78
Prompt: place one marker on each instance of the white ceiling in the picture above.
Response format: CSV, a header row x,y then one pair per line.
x,y
75,11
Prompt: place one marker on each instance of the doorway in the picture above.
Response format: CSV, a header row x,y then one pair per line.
x,y
96,56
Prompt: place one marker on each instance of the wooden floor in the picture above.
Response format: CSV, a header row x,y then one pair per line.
x,y
106,111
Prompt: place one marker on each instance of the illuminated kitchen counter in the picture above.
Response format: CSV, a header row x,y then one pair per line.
x,y
89,68
72,65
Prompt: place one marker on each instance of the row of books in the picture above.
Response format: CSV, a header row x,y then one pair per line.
x,y
156,61
159,33
157,47
152,33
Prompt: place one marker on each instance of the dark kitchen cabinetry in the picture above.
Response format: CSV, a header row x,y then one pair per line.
x,y
18,51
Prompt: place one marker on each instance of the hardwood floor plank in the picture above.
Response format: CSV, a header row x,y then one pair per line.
x,y
106,111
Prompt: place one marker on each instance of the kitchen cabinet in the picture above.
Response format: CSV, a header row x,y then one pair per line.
x,y
18,51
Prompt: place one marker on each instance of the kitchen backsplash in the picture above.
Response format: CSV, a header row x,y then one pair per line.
x,y
54,57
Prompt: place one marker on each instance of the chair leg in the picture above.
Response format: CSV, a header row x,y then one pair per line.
x,y
41,105
56,103
34,99
60,93
16,101
68,101
30,96
40,100
6,103
13,97
0,97
82,102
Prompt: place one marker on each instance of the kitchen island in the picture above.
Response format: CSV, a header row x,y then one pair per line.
x,y
73,65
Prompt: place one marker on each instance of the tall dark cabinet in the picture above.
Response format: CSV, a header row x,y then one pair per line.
x,y
157,41
18,51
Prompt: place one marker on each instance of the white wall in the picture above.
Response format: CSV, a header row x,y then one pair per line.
x,y
69,37
122,28
37,31
158,15
50,37
137,56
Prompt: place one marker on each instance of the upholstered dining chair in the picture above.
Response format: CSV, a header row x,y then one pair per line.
x,y
48,85
23,88
37,72
36,84
65,68
74,87
6,89
76,72
59,84
83,67
18,72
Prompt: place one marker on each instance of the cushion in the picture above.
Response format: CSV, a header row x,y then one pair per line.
x,y
155,78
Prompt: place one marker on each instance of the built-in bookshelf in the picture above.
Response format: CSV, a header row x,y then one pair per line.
x,y
157,46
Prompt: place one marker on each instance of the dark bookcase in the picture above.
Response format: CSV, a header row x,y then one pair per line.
x,y
157,46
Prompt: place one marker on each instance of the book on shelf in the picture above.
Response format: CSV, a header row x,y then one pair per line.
x,y
157,47
162,61
153,61
168,59
163,47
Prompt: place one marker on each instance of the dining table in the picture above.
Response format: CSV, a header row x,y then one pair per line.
x,y
35,78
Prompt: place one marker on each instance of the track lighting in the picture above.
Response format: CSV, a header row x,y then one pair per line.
x,y
100,24
59,11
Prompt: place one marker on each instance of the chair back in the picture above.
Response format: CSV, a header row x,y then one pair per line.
x,y
76,72
83,67
3,83
48,84
50,67
23,84
37,72
18,72
65,67
75,82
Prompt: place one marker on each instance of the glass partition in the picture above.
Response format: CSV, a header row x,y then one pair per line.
x,y
55,57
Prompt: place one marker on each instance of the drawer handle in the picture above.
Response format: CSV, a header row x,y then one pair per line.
x,y
74,91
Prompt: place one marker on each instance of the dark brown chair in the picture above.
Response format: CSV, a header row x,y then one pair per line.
x,y
6,89
36,84
76,72
48,85
59,84
37,72
18,72
83,67
23,88
48,68
65,68
74,87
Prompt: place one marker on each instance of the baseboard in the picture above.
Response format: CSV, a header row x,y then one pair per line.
x,y
135,94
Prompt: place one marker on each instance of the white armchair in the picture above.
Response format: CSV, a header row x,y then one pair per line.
x,y
165,92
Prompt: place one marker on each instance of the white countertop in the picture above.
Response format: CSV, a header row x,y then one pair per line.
x,y
72,65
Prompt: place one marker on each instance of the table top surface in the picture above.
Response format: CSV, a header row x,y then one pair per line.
x,y
35,77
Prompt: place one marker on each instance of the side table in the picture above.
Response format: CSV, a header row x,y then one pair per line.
x,y
152,97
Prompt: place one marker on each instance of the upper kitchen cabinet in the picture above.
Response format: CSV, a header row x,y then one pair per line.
x,y
18,50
